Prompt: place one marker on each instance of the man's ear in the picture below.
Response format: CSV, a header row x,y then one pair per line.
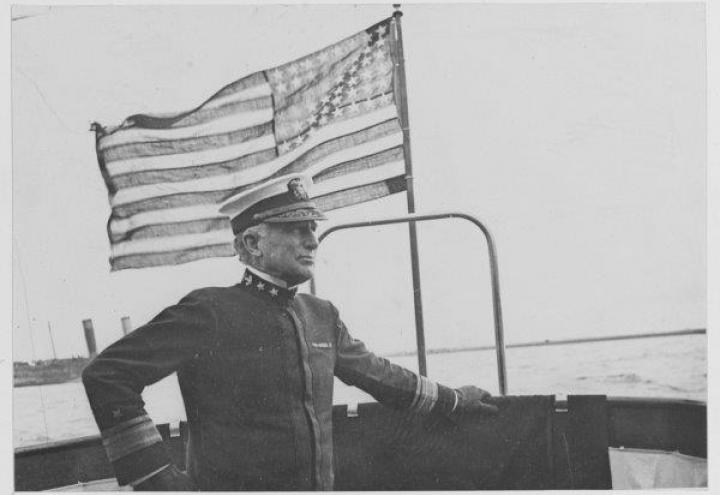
x,y
250,241
237,242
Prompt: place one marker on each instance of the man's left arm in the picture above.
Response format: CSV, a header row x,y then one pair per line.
x,y
398,387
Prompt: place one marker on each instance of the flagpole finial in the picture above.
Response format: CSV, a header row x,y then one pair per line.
x,y
398,12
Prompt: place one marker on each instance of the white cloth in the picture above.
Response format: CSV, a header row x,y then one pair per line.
x,y
638,468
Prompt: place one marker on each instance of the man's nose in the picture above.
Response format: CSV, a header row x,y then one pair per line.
x,y
310,241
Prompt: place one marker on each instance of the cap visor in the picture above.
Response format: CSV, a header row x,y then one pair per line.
x,y
300,215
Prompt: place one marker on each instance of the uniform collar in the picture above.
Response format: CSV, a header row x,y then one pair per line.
x,y
269,278
267,285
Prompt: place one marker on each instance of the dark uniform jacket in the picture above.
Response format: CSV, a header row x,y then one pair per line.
x,y
255,363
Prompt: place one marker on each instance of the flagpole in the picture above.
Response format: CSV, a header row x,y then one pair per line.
x,y
401,100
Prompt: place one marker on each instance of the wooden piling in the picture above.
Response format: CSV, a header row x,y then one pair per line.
x,y
90,337
126,325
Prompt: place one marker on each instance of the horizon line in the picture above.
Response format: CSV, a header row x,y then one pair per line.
x,y
447,350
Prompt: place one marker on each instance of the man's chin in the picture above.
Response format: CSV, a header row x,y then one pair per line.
x,y
301,276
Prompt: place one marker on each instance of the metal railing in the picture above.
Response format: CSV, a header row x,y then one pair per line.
x,y
494,279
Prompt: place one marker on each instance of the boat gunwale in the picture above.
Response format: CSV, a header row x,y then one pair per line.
x,y
560,405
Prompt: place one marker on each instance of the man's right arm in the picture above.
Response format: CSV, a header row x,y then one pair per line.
x,y
398,387
115,379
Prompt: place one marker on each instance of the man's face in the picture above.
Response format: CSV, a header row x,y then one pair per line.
x,y
288,251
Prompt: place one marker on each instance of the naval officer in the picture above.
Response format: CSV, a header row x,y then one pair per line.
x,y
255,363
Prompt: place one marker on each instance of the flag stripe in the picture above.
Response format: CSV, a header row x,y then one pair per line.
x,y
137,156
124,133
247,94
219,132
118,227
334,152
360,177
362,194
209,155
198,172
145,260
206,114
166,229
175,201
241,86
171,243
374,160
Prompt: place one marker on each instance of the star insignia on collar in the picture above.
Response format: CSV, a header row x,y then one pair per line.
x,y
248,279
273,292
260,286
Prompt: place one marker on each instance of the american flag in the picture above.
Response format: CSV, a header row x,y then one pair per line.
x,y
331,114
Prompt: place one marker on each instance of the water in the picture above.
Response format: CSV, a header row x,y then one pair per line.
x,y
674,367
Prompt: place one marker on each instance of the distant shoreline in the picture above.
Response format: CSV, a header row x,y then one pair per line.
x,y
447,350
48,372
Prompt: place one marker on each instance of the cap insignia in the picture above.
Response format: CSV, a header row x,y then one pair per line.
x,y
297,189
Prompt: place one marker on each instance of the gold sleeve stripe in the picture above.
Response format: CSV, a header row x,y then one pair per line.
x,y
418,389
129,437
426,395
124,425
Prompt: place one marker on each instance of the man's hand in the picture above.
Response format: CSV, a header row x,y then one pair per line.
x,y
170,479
471,399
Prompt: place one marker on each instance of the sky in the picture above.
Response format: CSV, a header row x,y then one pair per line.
x,y
576,132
